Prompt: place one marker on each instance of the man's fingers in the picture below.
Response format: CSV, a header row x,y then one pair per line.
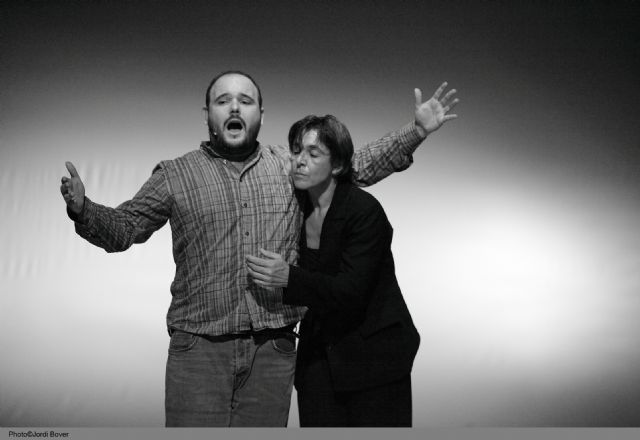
x,y
418,94
72,170
450,106
438,92
448,96
449,117
65,188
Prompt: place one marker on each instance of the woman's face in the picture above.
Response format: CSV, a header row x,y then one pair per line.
x,y
311,163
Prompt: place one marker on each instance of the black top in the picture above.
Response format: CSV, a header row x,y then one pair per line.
x,y
356,310
309,258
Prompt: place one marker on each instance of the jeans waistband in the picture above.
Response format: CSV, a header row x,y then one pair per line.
x,y
267,332
287,329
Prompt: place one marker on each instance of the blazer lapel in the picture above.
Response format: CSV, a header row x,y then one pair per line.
x,y
332,226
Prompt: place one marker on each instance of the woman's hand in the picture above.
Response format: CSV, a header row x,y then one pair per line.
x,y
270,271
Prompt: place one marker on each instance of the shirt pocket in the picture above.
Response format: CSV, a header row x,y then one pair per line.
x,y
276,193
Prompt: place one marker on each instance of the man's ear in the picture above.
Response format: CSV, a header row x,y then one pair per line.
x,y
336,170
261,115
205,112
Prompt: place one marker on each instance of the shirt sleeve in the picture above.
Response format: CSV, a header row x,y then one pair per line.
x,y
283,154
368,240
391,153
116,229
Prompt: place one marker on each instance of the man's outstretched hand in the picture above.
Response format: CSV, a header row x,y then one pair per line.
x,y
431,114
72,189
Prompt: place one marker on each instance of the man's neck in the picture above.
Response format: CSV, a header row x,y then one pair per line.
x,y
234,154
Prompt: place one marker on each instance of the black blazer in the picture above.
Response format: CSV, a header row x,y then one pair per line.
x,y
357,315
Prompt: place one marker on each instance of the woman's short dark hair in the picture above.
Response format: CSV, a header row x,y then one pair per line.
x,y
331,133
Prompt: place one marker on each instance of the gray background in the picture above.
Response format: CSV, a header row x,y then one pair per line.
x,y
516,230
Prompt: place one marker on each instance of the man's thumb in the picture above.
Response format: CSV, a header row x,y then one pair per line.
x,y
72,170
418,95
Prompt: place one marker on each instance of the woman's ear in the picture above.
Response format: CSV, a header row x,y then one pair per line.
x,y
335,171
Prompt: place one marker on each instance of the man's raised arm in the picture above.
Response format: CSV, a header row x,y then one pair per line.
x,y
394,151
116,229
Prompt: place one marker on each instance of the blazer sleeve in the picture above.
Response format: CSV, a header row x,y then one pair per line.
x,y
367,239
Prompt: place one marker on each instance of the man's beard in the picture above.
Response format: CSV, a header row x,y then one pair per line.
x,y
237,152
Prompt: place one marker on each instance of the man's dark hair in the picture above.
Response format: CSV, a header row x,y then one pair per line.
x,y
331,133
207,97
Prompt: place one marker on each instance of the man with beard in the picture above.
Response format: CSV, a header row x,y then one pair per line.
x,y
232,348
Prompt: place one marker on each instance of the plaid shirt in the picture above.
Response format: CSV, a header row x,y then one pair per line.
x,y
218,215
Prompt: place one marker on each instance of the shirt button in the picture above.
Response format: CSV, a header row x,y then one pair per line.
x,y
244,204
246,233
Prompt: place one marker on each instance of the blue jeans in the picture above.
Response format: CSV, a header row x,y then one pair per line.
x,y
235,380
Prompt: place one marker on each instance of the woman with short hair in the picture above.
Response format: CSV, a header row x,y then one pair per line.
x,y
357,340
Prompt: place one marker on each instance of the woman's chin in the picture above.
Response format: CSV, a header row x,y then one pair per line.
x,y
300,185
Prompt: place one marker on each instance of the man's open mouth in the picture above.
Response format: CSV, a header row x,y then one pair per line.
x,y
234,125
